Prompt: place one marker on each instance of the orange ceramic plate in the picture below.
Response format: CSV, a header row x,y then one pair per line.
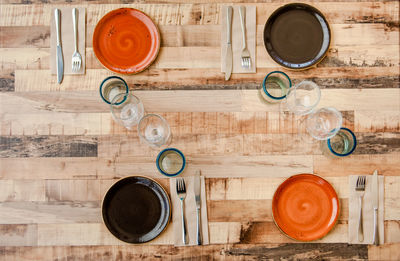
x,y
126,41
305,207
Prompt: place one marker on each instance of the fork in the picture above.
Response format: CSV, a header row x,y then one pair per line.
x,y
246,62
181,191
360,189
76,56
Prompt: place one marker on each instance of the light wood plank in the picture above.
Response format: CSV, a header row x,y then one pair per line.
x,y
173,14
18,235
377,120
21,190
384,252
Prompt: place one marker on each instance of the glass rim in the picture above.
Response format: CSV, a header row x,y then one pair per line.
x,y
108,78
265,88
162,153
162,119
337,112
352,149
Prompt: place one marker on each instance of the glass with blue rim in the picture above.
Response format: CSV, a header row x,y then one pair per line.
x,y
170,162
111,87
341,145
275,86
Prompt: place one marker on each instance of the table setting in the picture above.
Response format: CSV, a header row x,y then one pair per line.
x,y
269,151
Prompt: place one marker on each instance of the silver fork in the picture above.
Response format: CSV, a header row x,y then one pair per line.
x,y
360,189
76,57
181,191
246,62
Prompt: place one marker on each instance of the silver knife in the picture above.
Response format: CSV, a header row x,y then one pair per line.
x,y
197,186
228,57
375,204
59,56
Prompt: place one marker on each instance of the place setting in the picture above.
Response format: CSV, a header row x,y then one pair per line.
x,y
305,207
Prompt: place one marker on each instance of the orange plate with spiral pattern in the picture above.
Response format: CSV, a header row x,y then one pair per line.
x,y
126,41
305,207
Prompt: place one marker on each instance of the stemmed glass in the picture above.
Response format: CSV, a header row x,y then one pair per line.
x,y
127,109
302,98
154,130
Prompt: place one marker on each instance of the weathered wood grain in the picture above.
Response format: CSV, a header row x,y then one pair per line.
x,y
377,121
21,190
384,252
48,146
18,235
234,252
204,35
182,14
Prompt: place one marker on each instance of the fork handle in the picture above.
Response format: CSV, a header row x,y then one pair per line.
x,y
360,222
75,22
242,13
184,233
229,12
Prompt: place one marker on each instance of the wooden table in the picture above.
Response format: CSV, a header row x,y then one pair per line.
x,y
61,150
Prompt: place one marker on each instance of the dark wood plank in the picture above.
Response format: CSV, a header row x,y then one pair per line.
x,y
210,252
47,146
377,143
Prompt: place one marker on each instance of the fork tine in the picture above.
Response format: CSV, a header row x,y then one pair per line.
x,y
184,186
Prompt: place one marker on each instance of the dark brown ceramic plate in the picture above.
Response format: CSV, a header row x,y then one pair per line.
x,y
136,209
297,36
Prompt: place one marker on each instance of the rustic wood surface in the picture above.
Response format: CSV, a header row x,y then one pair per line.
x,y
60,149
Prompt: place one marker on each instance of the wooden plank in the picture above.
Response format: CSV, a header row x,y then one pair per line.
x,y
384,252
47,146
21,190
204,35
204,57
386,164
103,168
18,235
377,121
49,213
177,14
233,252
377,143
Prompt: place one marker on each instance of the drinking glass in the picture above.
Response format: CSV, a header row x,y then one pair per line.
x,y
170,162
324,123
111,87
302,98
154,130
341,145
275,86
127,109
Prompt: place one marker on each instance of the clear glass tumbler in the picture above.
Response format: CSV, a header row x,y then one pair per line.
x,y
127,109
324,123
342,144
111,87
275,86
154,130
302,98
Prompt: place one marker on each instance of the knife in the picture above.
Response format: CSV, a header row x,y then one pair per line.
x,y
228,57
197,185
375,197
59,56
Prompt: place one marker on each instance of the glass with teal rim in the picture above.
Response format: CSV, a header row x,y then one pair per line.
x,y
111,87
275,87
170,162
341,145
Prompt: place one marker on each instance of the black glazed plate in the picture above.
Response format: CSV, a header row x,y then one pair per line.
x,y
136,209
297,36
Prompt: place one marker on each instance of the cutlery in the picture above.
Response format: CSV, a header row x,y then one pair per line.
x,y
181,191
228,57
360,188
76,56
375,197
197,185
246,62
59,56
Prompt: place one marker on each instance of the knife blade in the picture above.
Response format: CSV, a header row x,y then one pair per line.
x,y
375,205
59,55
228,57
197,186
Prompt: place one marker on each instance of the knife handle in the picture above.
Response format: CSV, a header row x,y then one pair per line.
x,y
360,222
376,232
199,238
57,18
229,24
